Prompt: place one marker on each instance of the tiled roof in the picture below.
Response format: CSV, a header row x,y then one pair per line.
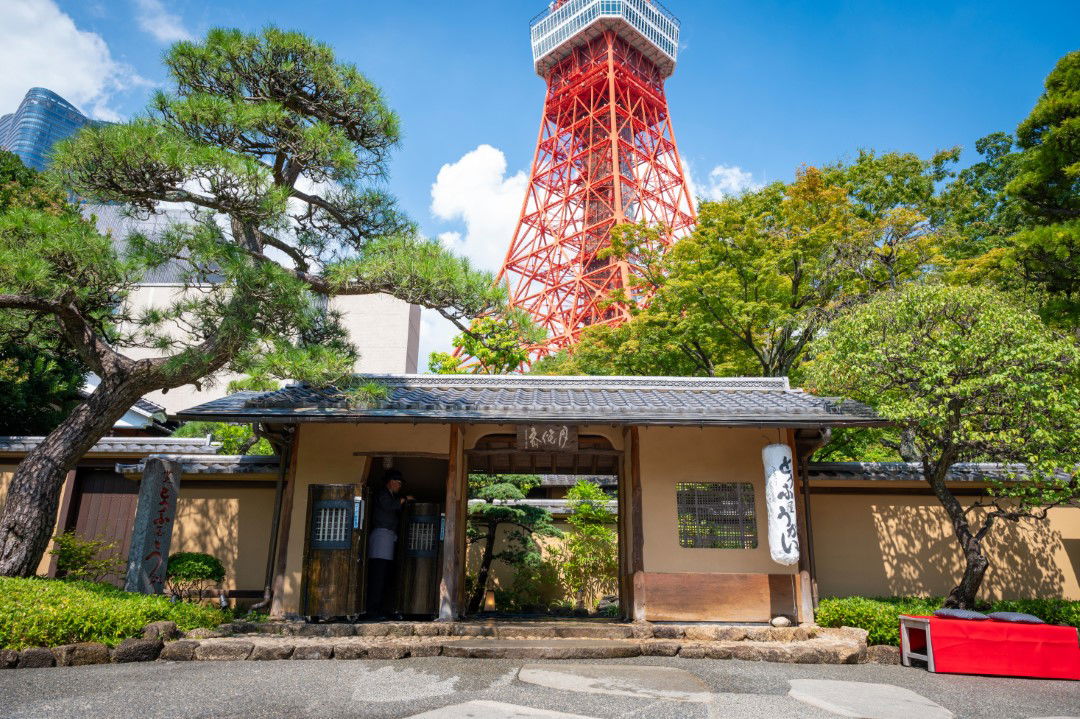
x,y
555,506
530,398
124,445
211,464
908,471
569,480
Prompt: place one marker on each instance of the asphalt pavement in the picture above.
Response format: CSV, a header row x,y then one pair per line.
x,y
448,688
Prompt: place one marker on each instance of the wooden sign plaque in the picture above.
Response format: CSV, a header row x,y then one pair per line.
x,y
547,438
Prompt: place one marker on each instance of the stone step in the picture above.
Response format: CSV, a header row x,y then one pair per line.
x,y
522,630
835,647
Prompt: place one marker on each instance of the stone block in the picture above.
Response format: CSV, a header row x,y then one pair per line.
x,y
35,658
641,630
182,650
242,627
883,654
425,650
388,651
271,628
340,630
431,629
351,650
371,630
315,630
692,651
226,629
163,630
760,634
659,648
81,654
539,631
137,650
8,658
474,630
270,652
399,629
701,633
313,651
594,631
220,651
719,650
668,631
202,633
730,634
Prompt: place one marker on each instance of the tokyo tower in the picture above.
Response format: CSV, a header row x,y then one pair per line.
x,y
606,155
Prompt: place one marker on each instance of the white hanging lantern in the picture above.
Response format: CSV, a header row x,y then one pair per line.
x,y
780,504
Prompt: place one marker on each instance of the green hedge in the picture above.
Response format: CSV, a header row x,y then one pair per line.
x,y
880,616
49,612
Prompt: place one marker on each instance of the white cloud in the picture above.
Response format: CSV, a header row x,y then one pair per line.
x,y
40,46
166,27
728,180
476,191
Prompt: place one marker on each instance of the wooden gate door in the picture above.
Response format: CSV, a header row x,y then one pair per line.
x,y
103,508
331,551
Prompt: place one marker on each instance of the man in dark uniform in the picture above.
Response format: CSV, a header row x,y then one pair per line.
x,y
385,519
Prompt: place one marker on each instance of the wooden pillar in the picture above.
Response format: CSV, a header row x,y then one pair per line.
x,y
62,517
637,530
806,591
452,580
281,558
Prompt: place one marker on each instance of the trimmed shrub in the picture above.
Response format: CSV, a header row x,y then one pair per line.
x,y
78,558
49,612
881,616
190,573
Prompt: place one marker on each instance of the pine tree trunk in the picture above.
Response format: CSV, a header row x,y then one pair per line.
x,y
477,599
29,514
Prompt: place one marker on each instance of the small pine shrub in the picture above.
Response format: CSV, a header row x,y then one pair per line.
x,y
49,612
881,616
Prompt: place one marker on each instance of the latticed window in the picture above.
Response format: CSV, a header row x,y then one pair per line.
x,y
330,525
716,515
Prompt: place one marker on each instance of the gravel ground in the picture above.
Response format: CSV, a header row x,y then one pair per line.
x,y
403,688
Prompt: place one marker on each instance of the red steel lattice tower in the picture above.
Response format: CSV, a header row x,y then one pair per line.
x,y
606,155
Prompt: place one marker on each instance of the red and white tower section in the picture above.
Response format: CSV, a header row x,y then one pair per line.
x,y
606,155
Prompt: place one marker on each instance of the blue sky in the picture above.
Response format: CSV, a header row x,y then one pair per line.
x,y
761,88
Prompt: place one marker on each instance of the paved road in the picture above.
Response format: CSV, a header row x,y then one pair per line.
x,y
445,688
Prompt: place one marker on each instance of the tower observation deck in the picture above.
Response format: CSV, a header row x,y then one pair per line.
x,y
605,155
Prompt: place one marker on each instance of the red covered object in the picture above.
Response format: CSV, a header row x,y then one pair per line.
x,y
963,646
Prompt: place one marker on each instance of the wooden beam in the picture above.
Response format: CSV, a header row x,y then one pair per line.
x,y
452,581
637,526
420,455
277,604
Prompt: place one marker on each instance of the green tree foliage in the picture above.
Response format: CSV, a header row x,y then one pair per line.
x,y
1047,184
588,558
972,376
520,527
40,374
493,344
279,150
764,271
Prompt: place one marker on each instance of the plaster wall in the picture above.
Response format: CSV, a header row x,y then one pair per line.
x,y
325,456
232,523
385,330
887,545
670,455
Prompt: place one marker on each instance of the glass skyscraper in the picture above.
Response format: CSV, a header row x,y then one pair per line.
x,y
43,118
